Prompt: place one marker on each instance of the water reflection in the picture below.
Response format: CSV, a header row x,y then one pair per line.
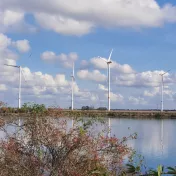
x,y
156,140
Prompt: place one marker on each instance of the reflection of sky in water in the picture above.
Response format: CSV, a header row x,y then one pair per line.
x,y
156,140
11,129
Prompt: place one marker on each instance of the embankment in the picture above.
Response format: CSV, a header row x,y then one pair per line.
x,y
95,113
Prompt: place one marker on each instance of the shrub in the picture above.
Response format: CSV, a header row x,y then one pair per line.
x,y
33,107
158,116
47,147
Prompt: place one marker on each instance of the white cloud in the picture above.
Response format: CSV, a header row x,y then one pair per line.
x,y
79,17
153,92
13,20
64,59
102,87
101,64
62,24
137,100
22,45
10,19
143,79
4,41
3,87
95,75
115,97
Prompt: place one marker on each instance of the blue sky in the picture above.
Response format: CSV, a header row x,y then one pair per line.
x,y
141,32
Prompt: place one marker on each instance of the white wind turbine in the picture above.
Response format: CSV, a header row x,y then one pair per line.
x,y
162,89
108,61
19,91
73,81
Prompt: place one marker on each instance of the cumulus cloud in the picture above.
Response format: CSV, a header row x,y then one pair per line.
x,y
115,97
101,64
68,18
64,59
95,75
102,87
10,19
137,100
143,79
22,45
153,92
13,20
63,25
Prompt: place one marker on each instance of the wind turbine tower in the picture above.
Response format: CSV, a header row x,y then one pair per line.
x,y
19,90
162,90
108,61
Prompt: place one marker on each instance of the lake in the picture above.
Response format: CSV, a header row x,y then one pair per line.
x,y
155,141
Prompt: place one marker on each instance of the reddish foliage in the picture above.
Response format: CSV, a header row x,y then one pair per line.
x,y
47,147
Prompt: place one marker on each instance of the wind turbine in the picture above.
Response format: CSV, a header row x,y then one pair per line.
x,y
73,80
108,61
162,89
19,91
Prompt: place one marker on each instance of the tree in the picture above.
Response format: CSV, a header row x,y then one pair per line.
x,y
102,108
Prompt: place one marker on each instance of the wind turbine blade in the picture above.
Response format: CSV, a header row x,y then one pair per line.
x,y
73,69
165,72
23,75
30,55
110,55
11,65
104,59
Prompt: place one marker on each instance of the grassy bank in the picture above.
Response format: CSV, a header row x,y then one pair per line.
x,y
93,113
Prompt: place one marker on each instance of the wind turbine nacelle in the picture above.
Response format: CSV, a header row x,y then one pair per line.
x,y
109,62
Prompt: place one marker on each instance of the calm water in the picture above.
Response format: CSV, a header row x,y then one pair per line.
x,y
156,138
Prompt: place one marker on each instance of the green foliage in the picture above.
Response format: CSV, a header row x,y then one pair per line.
x,y
158,116
131,169
157,172
33,108
172,171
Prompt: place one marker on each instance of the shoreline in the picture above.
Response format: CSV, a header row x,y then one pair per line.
x,y
96,113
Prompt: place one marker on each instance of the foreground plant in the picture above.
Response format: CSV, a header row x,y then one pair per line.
x,y
48,147
160,170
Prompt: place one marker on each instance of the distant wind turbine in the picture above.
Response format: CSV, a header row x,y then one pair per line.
x,y
72,94
108,61
162,89
19,91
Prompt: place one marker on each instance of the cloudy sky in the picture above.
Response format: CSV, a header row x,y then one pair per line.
x,y
46,37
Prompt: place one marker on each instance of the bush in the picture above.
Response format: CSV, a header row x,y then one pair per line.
x,y
47,147
33,107
158,116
